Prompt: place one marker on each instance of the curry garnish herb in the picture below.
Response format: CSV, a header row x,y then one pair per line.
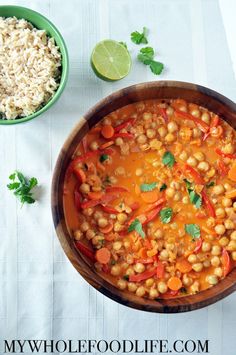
x,y
168,159
138,37
148,187
21,187
166,215
193,230
136,226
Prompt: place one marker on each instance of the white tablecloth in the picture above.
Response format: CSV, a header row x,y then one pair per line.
x,y
41,294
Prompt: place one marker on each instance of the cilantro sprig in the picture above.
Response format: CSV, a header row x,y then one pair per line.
x,y
21,187
146,56
194,197
136,225
163,187
193,230
168,159
138,37
166,215
148,187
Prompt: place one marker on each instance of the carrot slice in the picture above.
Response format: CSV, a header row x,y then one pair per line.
x,y
225,262
103,255
142,253
95,195
116,189
107,229
183,266
107,131
174,283
160,270
232,173
150,196
106,145
216,132
156,204
144,276
80,174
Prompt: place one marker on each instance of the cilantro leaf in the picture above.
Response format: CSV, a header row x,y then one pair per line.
x,y
163,187
146,55
166,215
210,184
156,67
138,37
22,187
188,184
168,159
195,199
103,157
193,230
148,187
136,226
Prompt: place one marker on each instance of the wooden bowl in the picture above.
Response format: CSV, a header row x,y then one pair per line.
x,y
152,90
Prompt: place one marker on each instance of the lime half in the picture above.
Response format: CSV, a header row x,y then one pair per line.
x,y
110,60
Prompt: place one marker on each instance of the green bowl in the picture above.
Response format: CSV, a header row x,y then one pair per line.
x,y
42,23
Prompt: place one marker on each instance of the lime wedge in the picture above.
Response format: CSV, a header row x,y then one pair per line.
x,y
110,60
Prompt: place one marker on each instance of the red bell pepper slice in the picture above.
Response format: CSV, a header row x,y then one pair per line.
x,y
124,125
160,270
143,276
109,209
123,135
198,245
199,123
134,205
103,200
223,169
153,214
85,251
225,155
209,205
163,114
170,294
214,123
226,261
145,261
195,174
156,204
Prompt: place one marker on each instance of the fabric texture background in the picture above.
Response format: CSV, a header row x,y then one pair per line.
x,y
41,294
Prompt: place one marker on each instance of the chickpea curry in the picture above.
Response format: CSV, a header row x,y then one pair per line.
x,y
150,198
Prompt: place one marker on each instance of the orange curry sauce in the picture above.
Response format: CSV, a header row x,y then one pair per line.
x,y
149,198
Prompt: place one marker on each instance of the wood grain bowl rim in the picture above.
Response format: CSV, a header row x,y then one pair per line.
x,y
212,100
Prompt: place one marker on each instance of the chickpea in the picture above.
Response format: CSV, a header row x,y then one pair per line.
x,y
233,254
78,234
215,261
234,206
185,200
102,222
205,117
233,235
192,161
206,246
90,234
132,287
147,116
196,133
218,272
119,141
84,188
151,133
212,279
162,131
158,234
220,229
197,267
195,287
220,212
216,250
149,282
192,258
88,211
206,263
142,139
117,245
228,148
203,166
195,113
162,287
94,145
116,270
164,255
139,268
153,293
229,224
118,227
199,156
218,189
97,239
231,246
140,292
187,281
172,127
130,271
169,111
139,172
227,186
97,215
229,211
226,202
122,217
122,284
224,241
183,155
169,138
170,192
177,196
